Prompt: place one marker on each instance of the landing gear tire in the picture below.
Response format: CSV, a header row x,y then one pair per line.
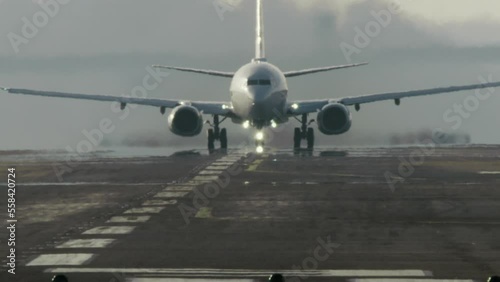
x,y
211,139
297,138
223,138
310,138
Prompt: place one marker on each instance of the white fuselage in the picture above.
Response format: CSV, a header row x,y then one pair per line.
x,y
259,94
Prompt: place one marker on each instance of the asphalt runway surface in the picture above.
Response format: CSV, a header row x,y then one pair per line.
x,y
351,214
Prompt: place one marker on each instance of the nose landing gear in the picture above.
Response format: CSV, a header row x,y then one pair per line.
x,y
304,133
216,134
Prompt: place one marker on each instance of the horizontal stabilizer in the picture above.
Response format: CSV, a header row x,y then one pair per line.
x,y
323,69
200,71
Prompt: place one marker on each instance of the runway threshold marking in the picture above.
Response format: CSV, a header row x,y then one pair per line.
x,y
60,259
129,219
245,273
172,279
109,230
171,194
144,210
408,280
85,243
185,188
159,202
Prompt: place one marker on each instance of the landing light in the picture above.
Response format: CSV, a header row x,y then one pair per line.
x,y
273,124
259,136
246,124
259,149
295,106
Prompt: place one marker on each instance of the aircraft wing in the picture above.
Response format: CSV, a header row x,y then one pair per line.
x,y
304,107
212,108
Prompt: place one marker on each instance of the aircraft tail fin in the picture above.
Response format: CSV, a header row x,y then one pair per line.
x,y
322,69
200,71
260,52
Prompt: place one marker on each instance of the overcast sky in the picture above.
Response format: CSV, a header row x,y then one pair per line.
x,y
103,47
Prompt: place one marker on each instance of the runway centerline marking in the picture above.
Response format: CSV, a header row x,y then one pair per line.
x,y
61,259
85,243
204,212
255,165
109,230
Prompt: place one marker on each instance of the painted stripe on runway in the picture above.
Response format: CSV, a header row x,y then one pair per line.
x,y
186,188
210,172
61,259
159,202
171,279
171,194
245,273
217,167
408,280
86,243
110,230
145,210
224,163
129,219
206,178
204,212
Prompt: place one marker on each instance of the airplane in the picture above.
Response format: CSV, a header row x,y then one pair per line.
x,y
259,99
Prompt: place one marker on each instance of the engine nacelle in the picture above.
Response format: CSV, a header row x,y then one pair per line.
x,y
334,119
185,121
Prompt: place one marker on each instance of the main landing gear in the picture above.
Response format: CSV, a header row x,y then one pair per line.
x,y
304,133
217,134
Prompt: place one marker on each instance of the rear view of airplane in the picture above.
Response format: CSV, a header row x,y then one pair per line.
x,y
259,99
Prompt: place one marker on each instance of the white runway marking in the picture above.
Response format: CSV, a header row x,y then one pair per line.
x,y
178,188
171,194
129,219
159,202
217,167
408,280
139,279
489,172
61,259
210,172
86,243
245,273
223,163
110,230
145,210
206,178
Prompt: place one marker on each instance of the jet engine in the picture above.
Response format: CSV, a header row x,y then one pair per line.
x,y
185,121
334,119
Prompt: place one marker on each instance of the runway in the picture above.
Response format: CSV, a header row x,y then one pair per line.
x,y
349,214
